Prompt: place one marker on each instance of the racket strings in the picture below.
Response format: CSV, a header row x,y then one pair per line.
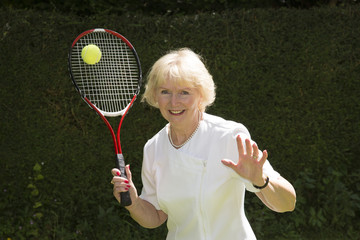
x,y
111,83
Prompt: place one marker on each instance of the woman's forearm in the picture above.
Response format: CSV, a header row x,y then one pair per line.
x,y
279,195
146,214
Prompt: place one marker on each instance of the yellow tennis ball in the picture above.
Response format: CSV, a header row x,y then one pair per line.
x,y
91,54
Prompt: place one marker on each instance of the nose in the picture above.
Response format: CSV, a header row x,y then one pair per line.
x,y
174,99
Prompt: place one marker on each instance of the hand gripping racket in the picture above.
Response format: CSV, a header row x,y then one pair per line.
x,y
109,84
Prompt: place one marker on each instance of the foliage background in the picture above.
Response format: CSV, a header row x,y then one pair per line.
x,y
168,7
291,76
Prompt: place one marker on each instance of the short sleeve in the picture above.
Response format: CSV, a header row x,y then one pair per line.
x,y
148,192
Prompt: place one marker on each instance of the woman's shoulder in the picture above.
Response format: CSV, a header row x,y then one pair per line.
x,y
158,137
220,124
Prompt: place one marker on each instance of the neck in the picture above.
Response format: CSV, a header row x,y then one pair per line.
x,y
180,135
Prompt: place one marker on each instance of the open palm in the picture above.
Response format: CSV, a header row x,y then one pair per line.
x,y
249,165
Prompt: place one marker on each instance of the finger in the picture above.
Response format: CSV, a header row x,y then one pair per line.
x,y
255,151
248,147
115,172
121,187
240,145
119,180
229,163
263,158
128,172
122,182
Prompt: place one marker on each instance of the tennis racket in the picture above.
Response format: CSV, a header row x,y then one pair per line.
x,y
110,85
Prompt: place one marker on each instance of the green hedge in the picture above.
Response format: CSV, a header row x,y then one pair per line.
x,y
290,76
168,7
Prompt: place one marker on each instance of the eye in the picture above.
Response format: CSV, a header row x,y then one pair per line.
x,y
185,92
164,91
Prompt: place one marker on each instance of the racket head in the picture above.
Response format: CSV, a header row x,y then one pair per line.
x,y
112,83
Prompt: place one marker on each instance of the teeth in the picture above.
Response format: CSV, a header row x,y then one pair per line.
x,y
176,112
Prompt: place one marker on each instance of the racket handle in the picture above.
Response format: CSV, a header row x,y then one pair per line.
x,y
124,196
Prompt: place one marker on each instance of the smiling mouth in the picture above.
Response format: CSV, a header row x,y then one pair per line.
x,y
173,112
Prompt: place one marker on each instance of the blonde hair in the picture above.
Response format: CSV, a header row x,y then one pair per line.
x,y
184,67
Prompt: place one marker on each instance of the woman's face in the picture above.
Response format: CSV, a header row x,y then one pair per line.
x,y
179,105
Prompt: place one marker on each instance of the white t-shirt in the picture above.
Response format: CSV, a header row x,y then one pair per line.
x,y
203,198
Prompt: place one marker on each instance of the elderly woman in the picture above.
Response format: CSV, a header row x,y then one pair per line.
x,y
196,169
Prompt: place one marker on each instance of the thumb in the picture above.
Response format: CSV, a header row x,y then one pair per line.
x,y
228,163
128,172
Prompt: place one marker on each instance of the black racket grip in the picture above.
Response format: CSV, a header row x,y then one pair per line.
x,y
124,196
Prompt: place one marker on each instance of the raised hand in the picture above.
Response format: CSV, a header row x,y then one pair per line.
x,y
249,165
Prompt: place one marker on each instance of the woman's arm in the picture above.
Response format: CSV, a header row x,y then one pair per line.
x,y
140,210
279,195
146,214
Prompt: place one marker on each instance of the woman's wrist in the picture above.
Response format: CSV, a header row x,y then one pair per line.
x,y
264,185
134,204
